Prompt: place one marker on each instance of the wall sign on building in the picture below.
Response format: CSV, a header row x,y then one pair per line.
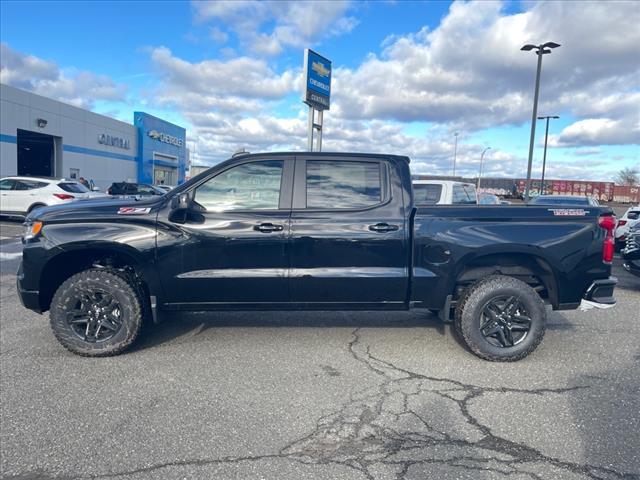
x,y
112,141
166,138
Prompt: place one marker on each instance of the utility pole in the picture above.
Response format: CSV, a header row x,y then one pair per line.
x,y
540,50
455,153
480,173
544,158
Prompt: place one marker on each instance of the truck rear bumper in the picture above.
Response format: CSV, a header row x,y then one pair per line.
x,y
599,294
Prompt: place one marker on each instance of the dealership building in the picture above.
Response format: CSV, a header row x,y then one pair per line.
x,y
46,138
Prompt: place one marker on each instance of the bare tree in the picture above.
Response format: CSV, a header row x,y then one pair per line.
x,y
628,176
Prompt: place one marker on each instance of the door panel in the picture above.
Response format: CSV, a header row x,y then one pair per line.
x,y
24,195
231,248
7,195
354,256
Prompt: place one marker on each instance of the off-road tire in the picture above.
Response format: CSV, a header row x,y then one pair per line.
x,y
123,287
469,310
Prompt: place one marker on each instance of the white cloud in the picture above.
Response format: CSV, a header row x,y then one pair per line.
x,y
466,74
290,23
80,88
218,35
469,70
241,76
597,131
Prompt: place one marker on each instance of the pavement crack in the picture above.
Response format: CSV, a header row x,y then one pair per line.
x,y
408,421
396,426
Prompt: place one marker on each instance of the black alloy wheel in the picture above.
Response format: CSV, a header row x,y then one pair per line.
x,y
500,318
504,321
96,316
98,312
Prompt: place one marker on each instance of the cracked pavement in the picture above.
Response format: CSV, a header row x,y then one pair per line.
x,y
324,395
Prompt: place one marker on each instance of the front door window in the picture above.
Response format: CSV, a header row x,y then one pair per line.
x,y
249,186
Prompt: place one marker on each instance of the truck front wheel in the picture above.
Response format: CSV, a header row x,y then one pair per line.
x,y
97,313
500,318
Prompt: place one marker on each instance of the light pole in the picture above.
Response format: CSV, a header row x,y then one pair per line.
x,y
480,174
540,50
455,153
544,158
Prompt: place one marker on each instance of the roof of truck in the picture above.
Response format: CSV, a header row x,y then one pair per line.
x,y
333,155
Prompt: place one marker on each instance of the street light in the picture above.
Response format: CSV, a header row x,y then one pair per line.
x,y
480,174
455,153
540,50
544,158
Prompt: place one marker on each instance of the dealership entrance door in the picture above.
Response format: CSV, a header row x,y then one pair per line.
x,y
36,154
164,174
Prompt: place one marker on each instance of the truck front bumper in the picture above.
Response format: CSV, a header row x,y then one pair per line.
x,y
29,298
599,294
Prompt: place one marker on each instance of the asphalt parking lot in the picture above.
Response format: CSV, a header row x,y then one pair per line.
x,y
325,395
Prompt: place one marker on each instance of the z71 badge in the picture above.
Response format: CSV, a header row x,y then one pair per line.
x,y
134,210
569,212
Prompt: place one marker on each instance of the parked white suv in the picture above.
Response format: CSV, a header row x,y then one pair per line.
x,y
443,192
20,195
630,218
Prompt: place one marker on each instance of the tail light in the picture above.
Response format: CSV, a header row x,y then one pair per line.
x,y
63,196
608,223
622,222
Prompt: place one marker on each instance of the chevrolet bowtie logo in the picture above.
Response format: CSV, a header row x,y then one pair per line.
x,y
320,69
154,134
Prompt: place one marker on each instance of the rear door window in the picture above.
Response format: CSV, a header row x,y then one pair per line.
x,y
29,184
7,184
427,194
73,187
343,185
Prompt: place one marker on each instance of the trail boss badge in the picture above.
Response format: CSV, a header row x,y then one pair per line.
x,y
569,212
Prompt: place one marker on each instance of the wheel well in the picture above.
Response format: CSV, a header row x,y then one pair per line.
x,y
66,264
36,205
532,270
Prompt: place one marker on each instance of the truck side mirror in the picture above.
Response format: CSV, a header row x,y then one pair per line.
x,y
180,202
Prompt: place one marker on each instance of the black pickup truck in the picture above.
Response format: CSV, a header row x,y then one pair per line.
x,y
312,231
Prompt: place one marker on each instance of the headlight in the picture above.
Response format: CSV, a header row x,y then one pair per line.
x,y
31,230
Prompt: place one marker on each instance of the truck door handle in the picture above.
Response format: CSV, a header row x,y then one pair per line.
x,y
268,228
383,227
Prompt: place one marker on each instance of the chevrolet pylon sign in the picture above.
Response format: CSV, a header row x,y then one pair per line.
x,y
317,72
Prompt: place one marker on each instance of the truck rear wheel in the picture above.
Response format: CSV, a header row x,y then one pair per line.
x,y
97,313
500,319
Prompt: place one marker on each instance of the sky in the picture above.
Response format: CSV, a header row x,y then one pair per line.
x,y
407,76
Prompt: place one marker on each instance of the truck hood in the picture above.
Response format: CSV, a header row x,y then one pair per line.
x,y
96,209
